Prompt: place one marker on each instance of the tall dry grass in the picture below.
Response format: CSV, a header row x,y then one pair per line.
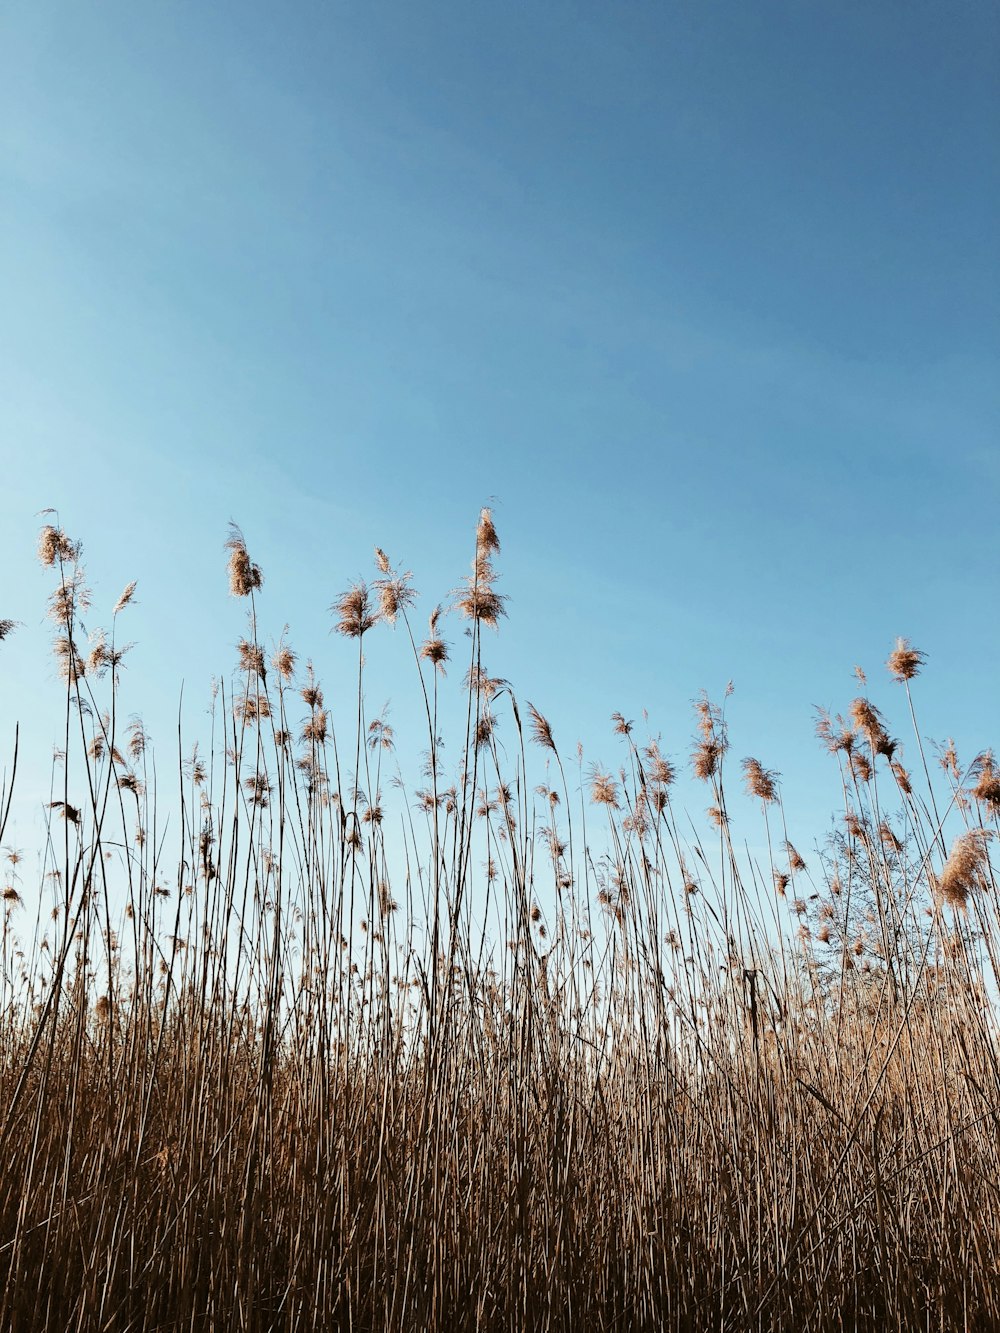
x,y
515,1050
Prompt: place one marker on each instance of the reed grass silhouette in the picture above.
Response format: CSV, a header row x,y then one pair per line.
x,y
506,1051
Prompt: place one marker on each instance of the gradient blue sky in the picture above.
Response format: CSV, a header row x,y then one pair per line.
x,y
704,295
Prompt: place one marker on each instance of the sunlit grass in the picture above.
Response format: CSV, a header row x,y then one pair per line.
x,y
514,1048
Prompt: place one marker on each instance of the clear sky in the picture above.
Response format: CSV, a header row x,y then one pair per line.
x,y
703,295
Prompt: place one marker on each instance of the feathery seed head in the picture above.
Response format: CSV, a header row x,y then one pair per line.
x,y
705,759
68,812
99,657
603,788
659,799
244,576
126,597
253,708
987,788
888,838
714,743
54,546
795,861
709,716
637,822
484,730
902,778
380,735
395,595
136,738
965,867
861,767
480,602
541,732
283,662
834,733
905,661
252,658
886,747
311,692
258,790
855,825
868,721
760,781
486,534
71,665
482,683
354,611
71,596
435,651
658,769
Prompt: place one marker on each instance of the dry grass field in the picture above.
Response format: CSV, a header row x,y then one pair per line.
x,y
518,1049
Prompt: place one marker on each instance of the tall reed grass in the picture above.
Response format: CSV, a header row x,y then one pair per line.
x,y
517,1049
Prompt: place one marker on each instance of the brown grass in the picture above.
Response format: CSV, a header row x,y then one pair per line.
x,y
336,1053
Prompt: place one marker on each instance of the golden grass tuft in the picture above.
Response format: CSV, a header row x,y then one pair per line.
x,y
245,577
905,661
760,781
965,868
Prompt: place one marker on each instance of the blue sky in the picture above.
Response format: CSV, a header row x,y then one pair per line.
x,y
703,296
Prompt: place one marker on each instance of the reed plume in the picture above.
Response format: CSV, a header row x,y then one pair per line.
x,y
964,869
354,611
245,577
760,781
905,661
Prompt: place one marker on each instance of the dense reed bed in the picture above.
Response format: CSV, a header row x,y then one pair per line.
x,y
516,1048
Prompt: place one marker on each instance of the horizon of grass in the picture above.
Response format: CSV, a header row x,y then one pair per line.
x,y
294,1045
